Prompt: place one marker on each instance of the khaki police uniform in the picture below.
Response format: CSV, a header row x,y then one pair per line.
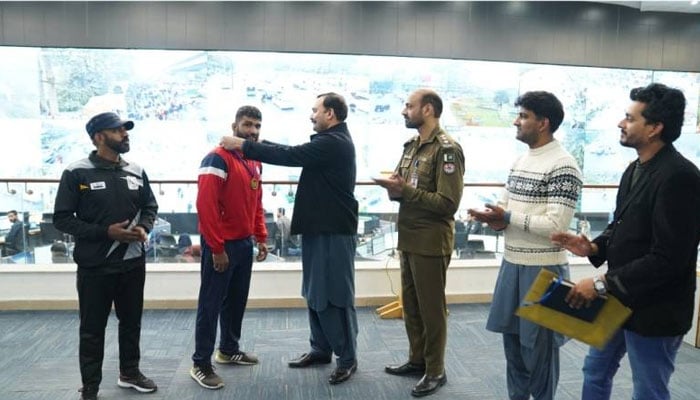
x,y
434,173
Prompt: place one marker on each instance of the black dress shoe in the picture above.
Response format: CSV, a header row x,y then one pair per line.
x,y
342,374
429,385
405,369
307,359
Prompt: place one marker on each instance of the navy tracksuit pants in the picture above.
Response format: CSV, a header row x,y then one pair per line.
x,y
222,298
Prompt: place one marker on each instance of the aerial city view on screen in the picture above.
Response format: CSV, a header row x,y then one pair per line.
x,y
183,101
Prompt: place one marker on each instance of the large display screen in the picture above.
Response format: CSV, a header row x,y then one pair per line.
x,y
183,101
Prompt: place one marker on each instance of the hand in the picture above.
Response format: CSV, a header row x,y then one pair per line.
x,y
581,294
492,215
142,232
262,252
577,244
118,232
220,261
231,142
393,184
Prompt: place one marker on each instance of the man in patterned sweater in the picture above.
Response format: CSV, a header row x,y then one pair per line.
x,y
539,199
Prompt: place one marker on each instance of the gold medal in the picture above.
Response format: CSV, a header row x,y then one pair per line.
x,y
254,184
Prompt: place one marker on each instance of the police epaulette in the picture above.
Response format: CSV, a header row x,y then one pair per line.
x,y
411,140
444,140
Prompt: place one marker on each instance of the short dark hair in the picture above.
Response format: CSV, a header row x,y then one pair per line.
x,y
432,98
543,105
281,210
663,104
12,212
335,102
248,111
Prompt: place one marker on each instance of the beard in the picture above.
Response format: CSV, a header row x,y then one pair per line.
x,y
119,147
624,140
413,124
529,138
252,137
318,126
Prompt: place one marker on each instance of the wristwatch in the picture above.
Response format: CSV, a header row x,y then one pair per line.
x,y
599,285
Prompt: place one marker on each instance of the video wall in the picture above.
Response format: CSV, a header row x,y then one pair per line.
x,y
182,102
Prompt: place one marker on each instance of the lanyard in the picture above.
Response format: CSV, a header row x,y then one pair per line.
x,y
253,173
254,177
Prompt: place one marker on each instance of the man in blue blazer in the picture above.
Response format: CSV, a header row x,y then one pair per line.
x,y
651,248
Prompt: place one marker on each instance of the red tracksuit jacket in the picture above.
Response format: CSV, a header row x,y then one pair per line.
x,y
229,206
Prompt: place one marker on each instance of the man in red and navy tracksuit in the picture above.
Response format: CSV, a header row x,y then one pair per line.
x,y
231,219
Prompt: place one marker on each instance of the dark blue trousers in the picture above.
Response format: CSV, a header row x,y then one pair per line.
x,y
329,289
222,297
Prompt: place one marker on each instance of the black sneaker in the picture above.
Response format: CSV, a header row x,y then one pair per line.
x,y
139,382
88,393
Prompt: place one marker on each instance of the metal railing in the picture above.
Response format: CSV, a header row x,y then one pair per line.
x,y
377,237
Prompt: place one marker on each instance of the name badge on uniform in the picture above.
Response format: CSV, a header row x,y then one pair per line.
x,y
98,185
414,179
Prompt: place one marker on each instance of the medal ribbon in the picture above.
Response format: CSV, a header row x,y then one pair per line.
x,y
253,173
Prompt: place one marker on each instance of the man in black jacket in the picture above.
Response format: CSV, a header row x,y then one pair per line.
x,y
651,248
325,214
107,204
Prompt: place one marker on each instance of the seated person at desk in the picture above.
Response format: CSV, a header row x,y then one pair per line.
x,y
14,241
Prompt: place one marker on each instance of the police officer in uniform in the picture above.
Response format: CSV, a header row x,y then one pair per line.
x,y
428,183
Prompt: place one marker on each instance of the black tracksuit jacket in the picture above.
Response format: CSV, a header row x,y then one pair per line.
x,y
95,193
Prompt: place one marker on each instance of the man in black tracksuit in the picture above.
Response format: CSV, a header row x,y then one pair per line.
x,y
107,204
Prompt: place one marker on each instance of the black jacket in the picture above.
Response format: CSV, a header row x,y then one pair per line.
x,y
652,244
325,200
95,193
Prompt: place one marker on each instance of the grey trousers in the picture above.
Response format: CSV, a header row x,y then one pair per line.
x,y
531,371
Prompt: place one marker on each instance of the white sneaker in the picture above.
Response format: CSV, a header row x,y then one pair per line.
x,y
239,358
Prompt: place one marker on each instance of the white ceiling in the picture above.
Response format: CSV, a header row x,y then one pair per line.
x,y
663,6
